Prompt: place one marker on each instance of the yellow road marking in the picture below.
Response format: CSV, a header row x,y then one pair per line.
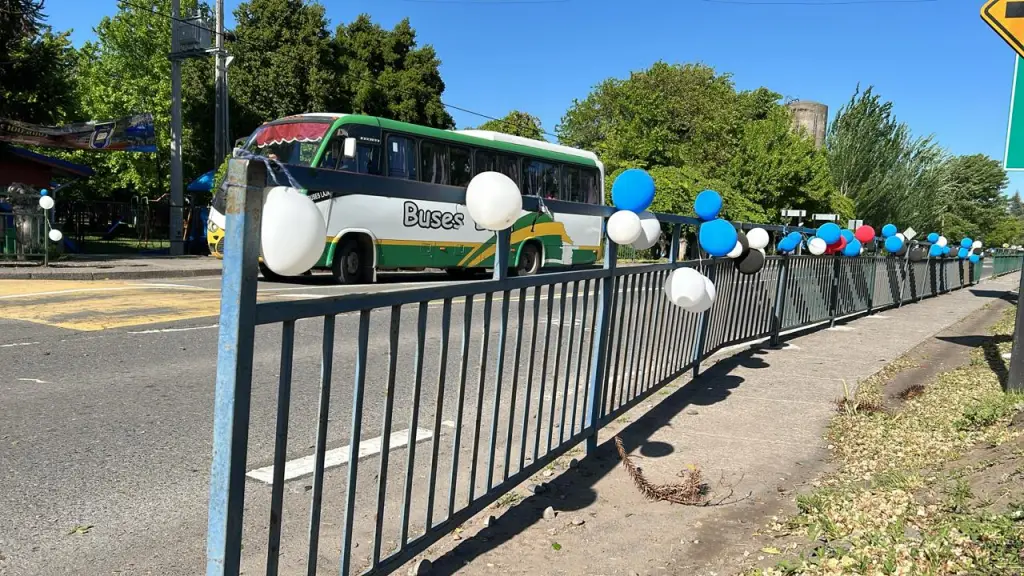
x,y
102,305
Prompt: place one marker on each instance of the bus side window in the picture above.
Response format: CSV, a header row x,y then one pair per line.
x,y
485,162
551,181
532,175
433,162
461,168
571,189
401,157
509,166
589,186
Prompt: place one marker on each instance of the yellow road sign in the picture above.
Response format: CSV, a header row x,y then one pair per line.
x,y
1006,17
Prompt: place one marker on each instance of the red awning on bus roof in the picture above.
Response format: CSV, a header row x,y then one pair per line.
x,y
291,132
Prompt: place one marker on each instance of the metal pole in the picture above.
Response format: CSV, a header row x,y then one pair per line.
x,y
220,127
177,184
1015,381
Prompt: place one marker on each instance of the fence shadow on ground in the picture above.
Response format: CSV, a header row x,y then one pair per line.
x,y
577,486
990,345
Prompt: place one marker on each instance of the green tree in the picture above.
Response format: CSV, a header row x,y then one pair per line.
x,y
36,66
126,71
888,174
1016,205
516,123
284,63
385,73
975,186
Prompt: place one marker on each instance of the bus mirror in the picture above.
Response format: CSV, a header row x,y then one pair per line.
x,y
350,148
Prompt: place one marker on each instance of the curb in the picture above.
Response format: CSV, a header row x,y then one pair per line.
x,y
112,275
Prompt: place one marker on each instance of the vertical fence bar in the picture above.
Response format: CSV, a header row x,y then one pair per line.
x,y
780,300
414,419
284,400
558,360
515,384
354,437
488,302
467,322
872,283
499,372
598,340
544,371
529,379
442,372
579,358
568,365
389,403
320,449
233,391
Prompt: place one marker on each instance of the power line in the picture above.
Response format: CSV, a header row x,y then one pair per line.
x,y
487,2
370,79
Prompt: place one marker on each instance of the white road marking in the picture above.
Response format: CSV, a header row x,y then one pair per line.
x,y
18,344
33,380
333,458
841,329
448,424
162,330
877,317
304,296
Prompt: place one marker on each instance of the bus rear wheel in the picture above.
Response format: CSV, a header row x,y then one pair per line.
x,y
529,260
353,263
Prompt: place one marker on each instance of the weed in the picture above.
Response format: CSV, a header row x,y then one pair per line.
x,y
911,392
508,500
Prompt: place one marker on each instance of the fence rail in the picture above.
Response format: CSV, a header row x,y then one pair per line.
x,y
463,391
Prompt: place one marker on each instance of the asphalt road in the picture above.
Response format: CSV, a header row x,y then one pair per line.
x,y
107,393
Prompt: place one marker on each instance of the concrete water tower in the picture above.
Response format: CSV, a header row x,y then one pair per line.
x,y
810,117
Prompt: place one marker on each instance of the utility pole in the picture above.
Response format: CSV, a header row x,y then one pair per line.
x,y
177,184
1015,380
221,134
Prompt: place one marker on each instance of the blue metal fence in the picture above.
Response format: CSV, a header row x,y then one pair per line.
x,y
474,387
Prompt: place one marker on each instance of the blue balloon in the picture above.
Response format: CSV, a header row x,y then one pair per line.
x,y
43,192
934,251
893,243
848,234
852,248
966,243
633,190
830,233
790,242
975,258
933,237
946,250
962,253
717,237
707,205
889,230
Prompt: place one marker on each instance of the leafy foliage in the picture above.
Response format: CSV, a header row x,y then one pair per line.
x,y
693,130
36,65
516,123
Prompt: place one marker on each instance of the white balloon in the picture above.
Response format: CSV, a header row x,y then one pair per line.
x,y
707,300
977,244
942,241
685,287
650,231
901,237
624,227
816,246
757,238
55,235
493,201
293,232
46,202
861,249
736,250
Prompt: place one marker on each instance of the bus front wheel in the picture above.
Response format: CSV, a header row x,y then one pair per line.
x,y
352,263
529,260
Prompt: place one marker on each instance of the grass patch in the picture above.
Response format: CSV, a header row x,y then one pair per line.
x,y
900,501
508,500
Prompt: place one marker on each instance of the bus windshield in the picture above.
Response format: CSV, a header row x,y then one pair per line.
x,y
294,143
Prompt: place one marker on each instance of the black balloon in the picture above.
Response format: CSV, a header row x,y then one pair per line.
x,y
742,239
751,263
917,254
902,251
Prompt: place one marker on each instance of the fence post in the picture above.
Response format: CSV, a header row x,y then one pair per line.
x,y
833,305
673,253
232,395
780,300
599,343
502,248
874,283
702,329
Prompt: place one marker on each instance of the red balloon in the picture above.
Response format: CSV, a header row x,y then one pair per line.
x,y
837,246
865,234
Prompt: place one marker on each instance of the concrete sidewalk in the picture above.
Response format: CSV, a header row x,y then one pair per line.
x,y
754,423
113,268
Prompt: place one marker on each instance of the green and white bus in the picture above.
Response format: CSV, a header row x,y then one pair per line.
x,y
368,233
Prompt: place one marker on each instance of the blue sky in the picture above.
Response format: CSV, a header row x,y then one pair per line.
x,y
946,71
